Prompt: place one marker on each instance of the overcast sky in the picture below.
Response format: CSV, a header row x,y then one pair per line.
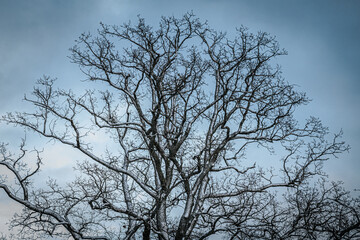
x,y
321,37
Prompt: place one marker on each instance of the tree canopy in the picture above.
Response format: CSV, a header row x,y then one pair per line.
x,y
181,105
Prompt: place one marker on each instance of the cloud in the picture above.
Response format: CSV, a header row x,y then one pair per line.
x,y
7,209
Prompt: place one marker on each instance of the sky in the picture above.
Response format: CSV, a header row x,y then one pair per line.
x,y
322,39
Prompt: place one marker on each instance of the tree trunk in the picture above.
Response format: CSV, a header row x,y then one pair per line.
x,y
146,233
183,226
161,221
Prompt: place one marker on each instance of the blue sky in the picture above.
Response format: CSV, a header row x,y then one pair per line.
x,y
321,37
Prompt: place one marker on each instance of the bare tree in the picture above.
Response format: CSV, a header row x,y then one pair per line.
x,y
180,105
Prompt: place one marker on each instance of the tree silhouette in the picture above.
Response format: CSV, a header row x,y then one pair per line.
x,y
180,106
